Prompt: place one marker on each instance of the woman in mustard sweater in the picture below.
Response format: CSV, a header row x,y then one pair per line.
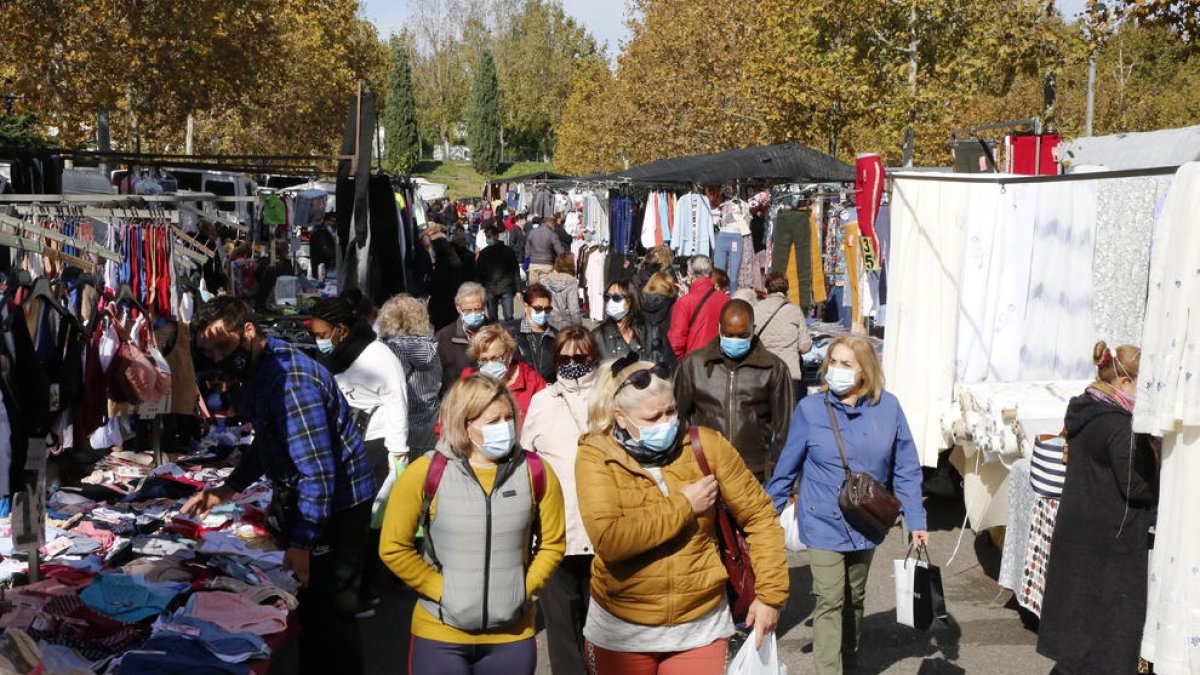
x,y
480,499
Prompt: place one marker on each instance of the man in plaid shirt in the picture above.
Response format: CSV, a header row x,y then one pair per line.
x,y
306,443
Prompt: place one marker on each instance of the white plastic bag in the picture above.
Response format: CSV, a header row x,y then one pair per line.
x,y
763,661
791,528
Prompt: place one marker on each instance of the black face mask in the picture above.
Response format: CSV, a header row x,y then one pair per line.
x,y
237,364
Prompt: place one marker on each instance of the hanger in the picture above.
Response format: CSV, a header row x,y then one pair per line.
x,y
42,290
125,294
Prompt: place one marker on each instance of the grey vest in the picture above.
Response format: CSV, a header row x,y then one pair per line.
x,y
481,544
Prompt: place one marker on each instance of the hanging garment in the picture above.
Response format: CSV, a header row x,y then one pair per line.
x,y
594,275
994,282
692,233
385,258
1058,315
868,184
1125,218
924,304
791,254
817,273
651,224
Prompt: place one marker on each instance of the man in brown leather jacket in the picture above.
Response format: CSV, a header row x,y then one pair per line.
x,y
735,385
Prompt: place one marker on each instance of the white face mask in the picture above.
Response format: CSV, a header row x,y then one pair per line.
x,y
497,439
841,380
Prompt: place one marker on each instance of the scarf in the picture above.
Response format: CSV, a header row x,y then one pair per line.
x,y
641,454
360,337
1102,391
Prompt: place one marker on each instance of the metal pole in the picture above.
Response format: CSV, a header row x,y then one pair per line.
x,y
1091,94
189,142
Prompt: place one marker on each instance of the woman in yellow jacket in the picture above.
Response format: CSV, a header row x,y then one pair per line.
x,y
658,585
494,533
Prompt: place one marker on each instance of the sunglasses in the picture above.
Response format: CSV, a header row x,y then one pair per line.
x,y
543,308
640,379
615,297
580,359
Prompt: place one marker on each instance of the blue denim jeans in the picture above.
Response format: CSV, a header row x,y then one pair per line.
x,y
728,256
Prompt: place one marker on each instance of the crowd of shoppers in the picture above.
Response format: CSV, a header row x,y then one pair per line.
x,y
504,459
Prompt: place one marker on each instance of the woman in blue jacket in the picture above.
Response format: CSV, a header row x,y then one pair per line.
x,y
878,441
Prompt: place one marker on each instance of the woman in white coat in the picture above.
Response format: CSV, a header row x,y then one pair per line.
x,y
558,416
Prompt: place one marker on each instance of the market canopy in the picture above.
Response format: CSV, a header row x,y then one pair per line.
x,y
789,162
1143,150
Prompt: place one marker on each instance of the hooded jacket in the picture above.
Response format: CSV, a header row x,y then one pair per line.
x,y
694,319
656,562
783,331
1101,538
656,312
564,300
748,401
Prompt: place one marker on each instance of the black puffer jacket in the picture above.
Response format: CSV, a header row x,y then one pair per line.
x,y
748,401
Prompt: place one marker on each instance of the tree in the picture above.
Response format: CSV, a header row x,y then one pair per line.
x,y
483,127
403,142
592,111
537,50
444,35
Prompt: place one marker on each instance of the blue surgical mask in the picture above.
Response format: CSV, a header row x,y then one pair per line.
x,y
496,369
659,437
615,309
497,439
735,348
473,319
841,380
325,346
539,318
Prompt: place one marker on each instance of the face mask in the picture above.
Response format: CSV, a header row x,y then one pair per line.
x,y
496,369
840,380
497,439
574,371
325,346
237,364
473,319
491,242
539,318
660,437
615,309
735,348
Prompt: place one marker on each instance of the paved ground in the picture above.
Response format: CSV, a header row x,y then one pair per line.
x,y
985,636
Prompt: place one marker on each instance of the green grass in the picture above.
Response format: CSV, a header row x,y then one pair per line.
x,y
465,182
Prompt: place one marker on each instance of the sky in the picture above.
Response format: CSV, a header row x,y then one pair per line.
x,y
605,19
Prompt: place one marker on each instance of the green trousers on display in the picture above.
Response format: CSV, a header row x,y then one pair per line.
x,y
839,586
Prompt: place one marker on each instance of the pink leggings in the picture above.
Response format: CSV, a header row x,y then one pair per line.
x,y
708,660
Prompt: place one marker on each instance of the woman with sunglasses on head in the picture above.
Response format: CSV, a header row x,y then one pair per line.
x,y
495,350
494,533
659,603
558,416
623,329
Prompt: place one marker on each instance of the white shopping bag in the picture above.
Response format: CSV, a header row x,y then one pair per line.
x,y
905,571
791,528
763,661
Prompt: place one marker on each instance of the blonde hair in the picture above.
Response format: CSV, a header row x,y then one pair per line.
x,y
466,401
486,336
663,255
870,372
404,315
1125,364
661,283
605,396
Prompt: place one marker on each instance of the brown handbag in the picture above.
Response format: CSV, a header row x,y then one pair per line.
x,y
731,544
871,508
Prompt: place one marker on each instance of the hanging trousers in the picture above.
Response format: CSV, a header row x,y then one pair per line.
x,y
792,239
728,256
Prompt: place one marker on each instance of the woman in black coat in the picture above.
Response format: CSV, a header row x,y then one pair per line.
x,y
1095,596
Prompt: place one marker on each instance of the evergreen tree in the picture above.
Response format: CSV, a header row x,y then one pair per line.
x,y
403,143
483,126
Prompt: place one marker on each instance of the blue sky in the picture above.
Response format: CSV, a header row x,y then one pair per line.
x,y
604,18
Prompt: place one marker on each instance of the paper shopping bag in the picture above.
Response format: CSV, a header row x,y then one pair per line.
x,y
920,599
905,572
